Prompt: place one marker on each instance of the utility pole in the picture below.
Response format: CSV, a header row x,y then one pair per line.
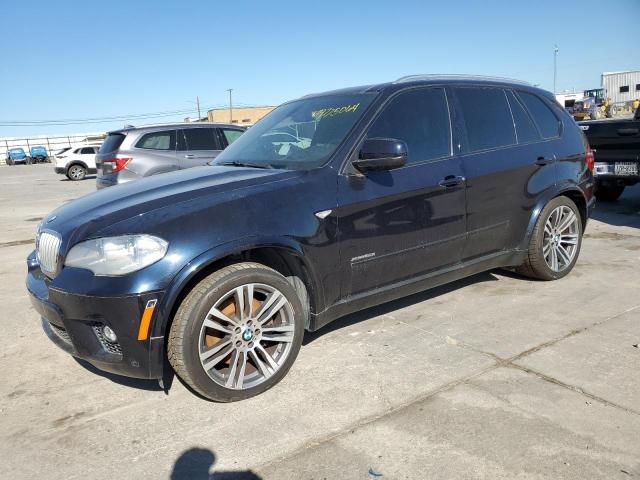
x,y
198,102
230,105
555,67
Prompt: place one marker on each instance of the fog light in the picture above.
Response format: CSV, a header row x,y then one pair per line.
x,y
109,334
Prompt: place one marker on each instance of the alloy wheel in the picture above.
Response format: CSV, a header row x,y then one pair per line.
x,y
76,173
561,236
246,336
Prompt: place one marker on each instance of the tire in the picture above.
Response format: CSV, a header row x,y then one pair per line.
x,y
190,339
538,264
76,173
609,193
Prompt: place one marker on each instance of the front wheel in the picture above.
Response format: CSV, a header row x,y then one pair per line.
x,y
237,333
76,172
555,241
609,193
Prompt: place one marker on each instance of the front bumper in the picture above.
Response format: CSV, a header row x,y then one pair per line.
x,y
74,323
60,170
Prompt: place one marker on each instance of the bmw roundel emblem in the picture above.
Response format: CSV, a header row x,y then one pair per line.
x,y
247,335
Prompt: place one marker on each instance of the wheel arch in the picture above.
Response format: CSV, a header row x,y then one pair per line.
x,y
284,255
572,192
77,162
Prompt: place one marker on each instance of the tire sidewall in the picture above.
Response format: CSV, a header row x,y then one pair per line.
x,y
544,216
190,354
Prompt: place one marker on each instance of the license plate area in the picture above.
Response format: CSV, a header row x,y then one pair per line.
x,y
626,168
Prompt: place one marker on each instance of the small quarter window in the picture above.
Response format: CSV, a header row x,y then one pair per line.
x,y
165,140
548,124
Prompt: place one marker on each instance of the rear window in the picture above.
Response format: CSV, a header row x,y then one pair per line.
x,y
62,150
525,128
165,140
112,142
548,124
487,117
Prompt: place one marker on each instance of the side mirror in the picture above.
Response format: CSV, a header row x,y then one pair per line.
x,y
381,154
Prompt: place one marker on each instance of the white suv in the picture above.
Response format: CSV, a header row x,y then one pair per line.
x,y
76,161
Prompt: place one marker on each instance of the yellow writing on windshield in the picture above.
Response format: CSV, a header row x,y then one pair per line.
x,y
331,111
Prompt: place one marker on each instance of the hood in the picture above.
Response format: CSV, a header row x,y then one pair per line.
x,y
93,212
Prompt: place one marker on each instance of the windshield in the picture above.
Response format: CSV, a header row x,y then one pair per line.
x,y
300,135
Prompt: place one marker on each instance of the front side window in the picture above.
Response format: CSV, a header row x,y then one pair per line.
x,y
231,135
420,118
548,124
165,140
198,139
315,126
486,116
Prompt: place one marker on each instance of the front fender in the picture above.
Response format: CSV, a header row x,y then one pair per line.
x,y
211,256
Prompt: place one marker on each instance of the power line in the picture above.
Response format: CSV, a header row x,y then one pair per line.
x,y
108,119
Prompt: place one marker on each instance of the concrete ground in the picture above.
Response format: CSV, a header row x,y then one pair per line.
x,y
493,377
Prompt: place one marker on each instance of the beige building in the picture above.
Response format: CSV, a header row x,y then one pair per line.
x,y
241,115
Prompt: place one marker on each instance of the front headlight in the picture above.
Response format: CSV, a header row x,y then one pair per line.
x,y
113,256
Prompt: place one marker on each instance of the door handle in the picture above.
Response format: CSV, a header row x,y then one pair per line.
x,y
189,155
544,160
451,181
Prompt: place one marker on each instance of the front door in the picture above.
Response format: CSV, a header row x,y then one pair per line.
x,y
399,224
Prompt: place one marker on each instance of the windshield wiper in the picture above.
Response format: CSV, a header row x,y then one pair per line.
x,y
236,163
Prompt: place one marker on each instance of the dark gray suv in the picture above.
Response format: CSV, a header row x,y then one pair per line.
x,y
132,153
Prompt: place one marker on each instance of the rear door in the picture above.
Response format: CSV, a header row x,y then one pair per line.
x,y
504,174
397,225
88,156
197,146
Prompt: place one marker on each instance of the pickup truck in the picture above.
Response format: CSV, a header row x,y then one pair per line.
x,y
616,143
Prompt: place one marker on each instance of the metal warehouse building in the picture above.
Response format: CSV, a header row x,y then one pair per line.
x,y
621,87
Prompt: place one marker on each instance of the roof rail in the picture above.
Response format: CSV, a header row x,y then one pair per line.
x,y
415,78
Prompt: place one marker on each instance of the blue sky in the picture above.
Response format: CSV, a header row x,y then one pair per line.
x,y
100,59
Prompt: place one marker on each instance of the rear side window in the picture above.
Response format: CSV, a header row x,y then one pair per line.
x,y
487,118
548,124
198,139
231,135
87,150
112,142
421,119
525,128
165,140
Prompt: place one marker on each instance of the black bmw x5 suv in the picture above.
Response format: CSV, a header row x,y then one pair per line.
x,y
332,203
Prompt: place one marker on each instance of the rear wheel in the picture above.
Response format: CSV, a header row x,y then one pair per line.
x,y
555,241
76,172
609,193
237,333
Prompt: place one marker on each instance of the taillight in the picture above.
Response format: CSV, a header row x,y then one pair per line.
x,y
117,163
589,157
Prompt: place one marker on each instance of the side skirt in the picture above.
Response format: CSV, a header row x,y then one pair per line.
x,y
415,285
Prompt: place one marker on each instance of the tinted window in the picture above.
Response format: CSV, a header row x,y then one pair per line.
x,y
421,119
200,139
487,117
87,150
545,119
165,140
112,142
525,129
231,135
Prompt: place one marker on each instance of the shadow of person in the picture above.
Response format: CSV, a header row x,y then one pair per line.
x,y
196,463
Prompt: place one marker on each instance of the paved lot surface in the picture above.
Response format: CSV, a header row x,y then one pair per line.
x,y
492,377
